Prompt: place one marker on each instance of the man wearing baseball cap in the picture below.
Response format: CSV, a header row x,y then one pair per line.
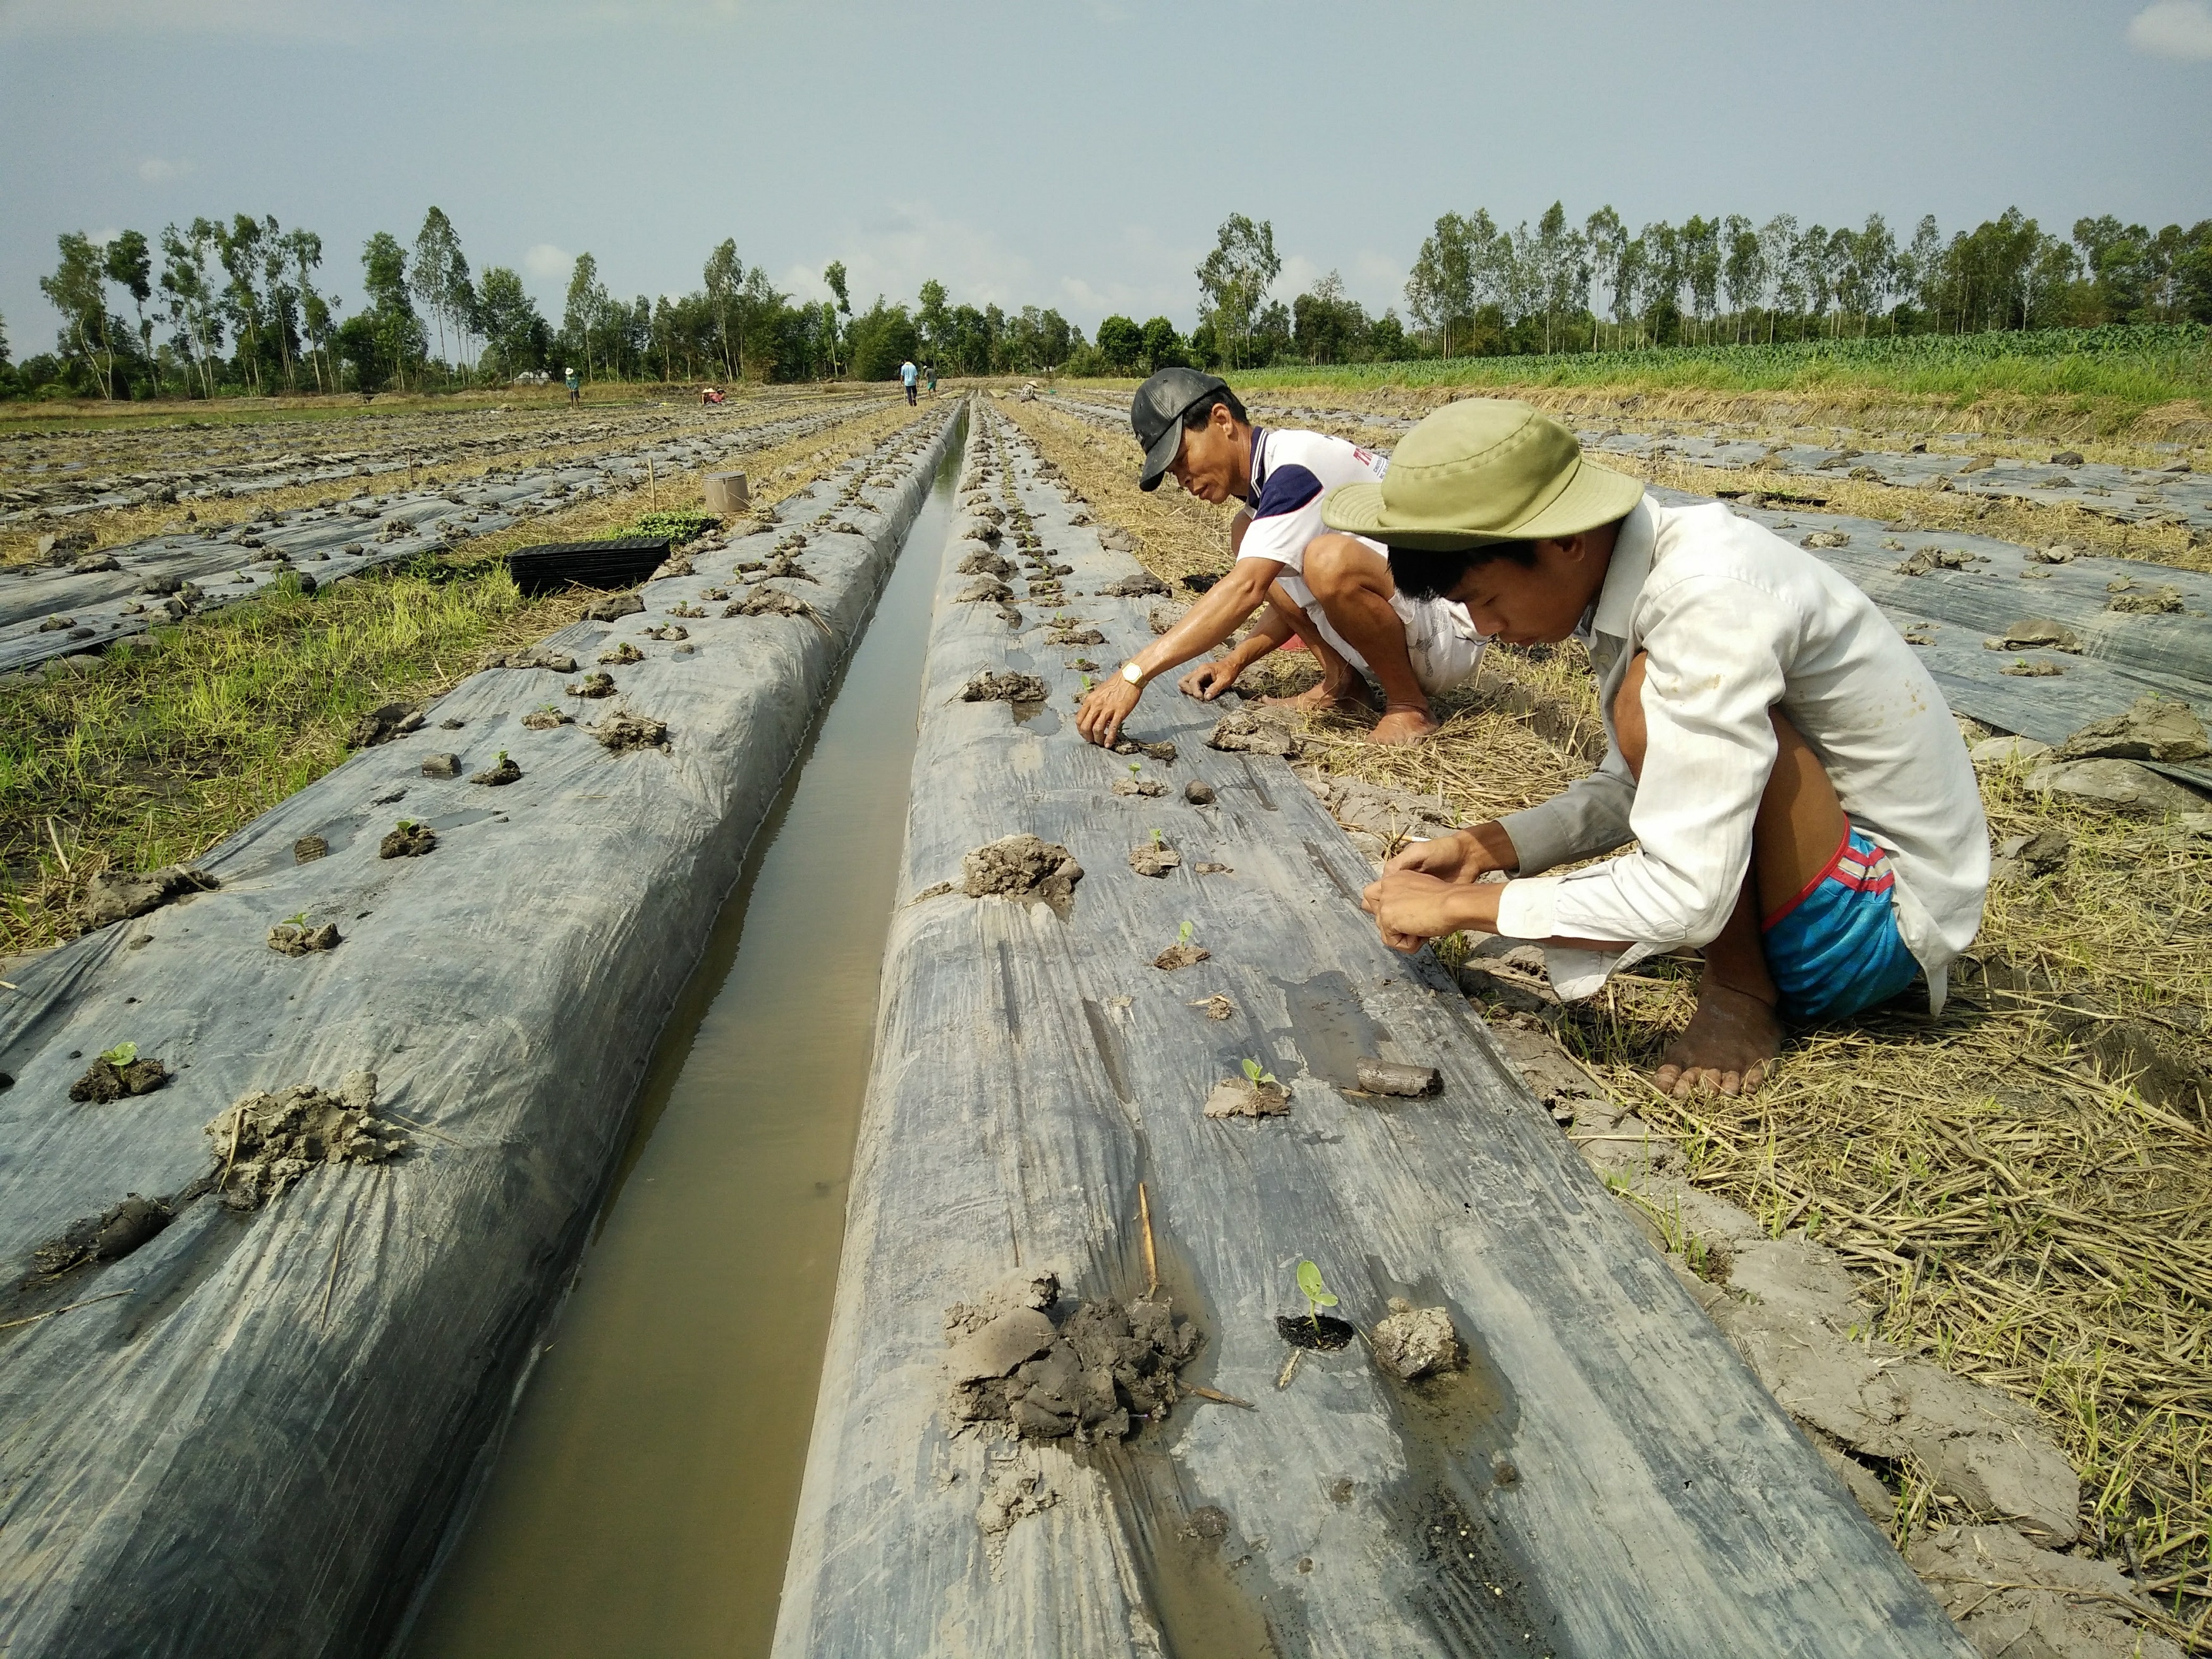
x,y
1803,805
1333,591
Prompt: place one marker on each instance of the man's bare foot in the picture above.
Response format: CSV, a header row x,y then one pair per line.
x,y
1402,726
1353,699
1732,1040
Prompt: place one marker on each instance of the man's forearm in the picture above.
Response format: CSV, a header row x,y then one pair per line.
x,y
1216,615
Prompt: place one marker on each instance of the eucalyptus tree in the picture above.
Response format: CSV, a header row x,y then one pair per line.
x,y
1662,277
1777,244
239,248
390,317
1701,267
1920,266
190,295
583,314
1743,269
1606,241
1810,258
1235,279
513,332
1440,290
725,273
78,289
1632,270
129,263
1562,272
303,252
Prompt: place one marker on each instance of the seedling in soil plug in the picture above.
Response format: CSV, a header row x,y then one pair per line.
x,y
1182,934
408,839
502,770
298,919
118,1071
1255,1077
1183,953
1159,840
1315,1330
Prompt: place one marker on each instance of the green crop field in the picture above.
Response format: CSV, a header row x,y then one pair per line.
x,y
2137,366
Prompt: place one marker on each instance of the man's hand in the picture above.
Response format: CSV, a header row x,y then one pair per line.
x,y
1465,855
1410,908
1208,680
1106,706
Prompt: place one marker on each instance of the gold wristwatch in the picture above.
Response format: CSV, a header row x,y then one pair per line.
x,y
1132,673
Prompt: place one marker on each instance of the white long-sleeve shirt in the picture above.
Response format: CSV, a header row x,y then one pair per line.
x,y
1736,621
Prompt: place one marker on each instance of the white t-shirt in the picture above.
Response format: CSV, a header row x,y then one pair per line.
x,y
1291,471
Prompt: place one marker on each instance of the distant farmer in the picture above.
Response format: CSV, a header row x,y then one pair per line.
x,y
711,394
932,380
1803,806
907,374
1335,591
574,386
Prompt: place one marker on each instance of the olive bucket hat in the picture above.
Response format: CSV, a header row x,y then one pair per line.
x,y
1483,470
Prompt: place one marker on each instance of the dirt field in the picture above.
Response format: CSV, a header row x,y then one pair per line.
x,y
2021,1186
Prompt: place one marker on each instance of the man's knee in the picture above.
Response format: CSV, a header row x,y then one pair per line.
x,y
1335,565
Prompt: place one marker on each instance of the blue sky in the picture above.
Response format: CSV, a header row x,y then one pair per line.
x,y
1071,153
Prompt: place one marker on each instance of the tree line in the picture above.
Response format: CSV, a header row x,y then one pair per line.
x,y
1478,290
235,308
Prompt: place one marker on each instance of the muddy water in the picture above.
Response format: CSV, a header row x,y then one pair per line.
x,y
643,1501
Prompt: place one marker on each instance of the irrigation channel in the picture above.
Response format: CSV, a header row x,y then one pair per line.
x,y
642,1502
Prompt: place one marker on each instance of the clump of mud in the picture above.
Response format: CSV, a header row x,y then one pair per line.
x,y
501,771
621,731
309,848
1095,1377
1066,634
1182,955
984,590
559,662
382,725
116,897
985,563
774,602
1248,1097
672,630
1163,751
1022,867
1198,792
441,766
614,607
594,684
623,651
1245,733
297,939
266,1142
545,720
2155,729
408,840
1417,1342
2030,632
110,1079
1143,585
1216,1006
108,1236
1005,688
1150,788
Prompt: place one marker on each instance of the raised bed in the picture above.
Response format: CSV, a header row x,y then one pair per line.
x,y
247,1434
1604,1478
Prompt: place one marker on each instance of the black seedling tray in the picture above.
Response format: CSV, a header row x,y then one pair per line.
x,y
623,562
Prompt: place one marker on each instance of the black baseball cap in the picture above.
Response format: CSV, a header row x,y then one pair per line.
x,y
1156,413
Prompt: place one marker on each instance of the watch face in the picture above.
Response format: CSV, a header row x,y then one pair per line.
x,y
1131,672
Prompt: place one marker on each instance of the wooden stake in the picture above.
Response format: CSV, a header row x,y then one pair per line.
x,y
1224,1399
1152,1261
12,1323
1290,1368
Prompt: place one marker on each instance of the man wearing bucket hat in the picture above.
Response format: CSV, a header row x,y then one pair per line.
x,y
1336,594
1802,804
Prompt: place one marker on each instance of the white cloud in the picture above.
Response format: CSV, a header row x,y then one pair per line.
x,y
293,20
908,245
159,170
549,264
2173,29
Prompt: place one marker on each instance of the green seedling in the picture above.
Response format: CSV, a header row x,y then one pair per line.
x,y
405,825
1159,840
1135,767
1183,934
1088,682
1254,1075
121,1055
299,921
1317,1294
502,755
